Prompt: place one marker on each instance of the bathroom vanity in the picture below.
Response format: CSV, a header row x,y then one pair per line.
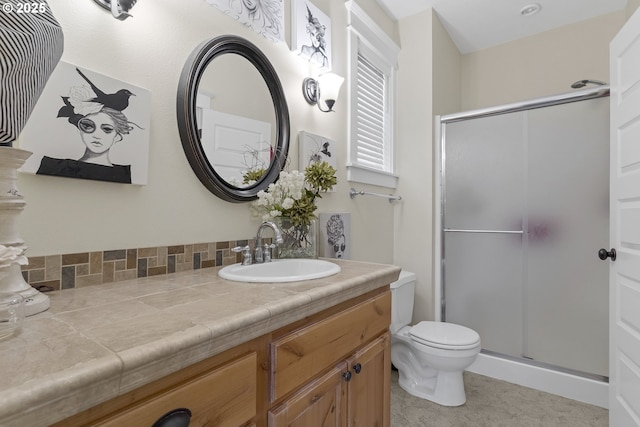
x,y
306,353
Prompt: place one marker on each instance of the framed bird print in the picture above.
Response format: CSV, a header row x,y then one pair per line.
x,y
89,126
315,148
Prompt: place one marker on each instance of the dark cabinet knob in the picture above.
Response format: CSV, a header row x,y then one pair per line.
x,y
604,254
180,417
347,376
357,368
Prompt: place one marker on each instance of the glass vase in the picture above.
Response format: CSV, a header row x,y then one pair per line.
x,y
300,241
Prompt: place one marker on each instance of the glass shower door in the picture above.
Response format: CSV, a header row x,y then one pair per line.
x,y
525,209
566,285
483,212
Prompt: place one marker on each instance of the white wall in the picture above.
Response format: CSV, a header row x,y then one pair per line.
x,y
413,245
68,215
632,5
429,84
540,65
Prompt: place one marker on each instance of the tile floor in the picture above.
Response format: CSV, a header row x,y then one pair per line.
x,y
494,403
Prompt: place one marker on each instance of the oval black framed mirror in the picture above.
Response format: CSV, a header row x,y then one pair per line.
x,y
233,118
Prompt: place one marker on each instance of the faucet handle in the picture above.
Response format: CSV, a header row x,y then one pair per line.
x,y
246,254
266,252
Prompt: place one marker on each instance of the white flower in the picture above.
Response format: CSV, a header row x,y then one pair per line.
x,y
80,97
287,203
279,196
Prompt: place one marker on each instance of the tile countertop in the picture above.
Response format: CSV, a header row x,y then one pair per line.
x,y
101,341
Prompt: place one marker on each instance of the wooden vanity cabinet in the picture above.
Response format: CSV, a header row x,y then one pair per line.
x,y
340,367
331,369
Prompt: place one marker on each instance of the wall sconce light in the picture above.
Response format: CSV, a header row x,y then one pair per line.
x,y
322,91
119,8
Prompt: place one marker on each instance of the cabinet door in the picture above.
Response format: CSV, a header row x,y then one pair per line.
x,y
320,404
224,397
300,356
368,392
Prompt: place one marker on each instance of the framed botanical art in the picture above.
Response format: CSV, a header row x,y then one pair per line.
x,y
89,126
315,148
265,17
311,33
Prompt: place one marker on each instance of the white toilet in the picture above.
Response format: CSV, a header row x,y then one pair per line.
x,y
430,356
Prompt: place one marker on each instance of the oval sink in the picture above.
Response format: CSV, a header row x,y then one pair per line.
x,y
280,270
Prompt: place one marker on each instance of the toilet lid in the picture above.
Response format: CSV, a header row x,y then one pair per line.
x,y
444,335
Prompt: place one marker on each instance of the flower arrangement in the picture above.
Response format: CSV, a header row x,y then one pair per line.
x,y
294,194
291,201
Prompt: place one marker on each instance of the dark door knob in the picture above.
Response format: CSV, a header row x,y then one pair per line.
x,y
357,368
347,376
180,417
604,254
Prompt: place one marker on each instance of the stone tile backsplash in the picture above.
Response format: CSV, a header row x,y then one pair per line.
x,y
55,272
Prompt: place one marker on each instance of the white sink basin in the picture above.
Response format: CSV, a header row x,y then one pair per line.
x,y
280,270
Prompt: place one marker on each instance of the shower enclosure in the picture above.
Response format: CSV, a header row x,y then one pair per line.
x,y
524,192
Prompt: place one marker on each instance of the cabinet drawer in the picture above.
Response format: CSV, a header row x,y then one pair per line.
x,y
224,397
300,356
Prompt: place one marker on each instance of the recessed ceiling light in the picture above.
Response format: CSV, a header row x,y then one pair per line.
x,y
530,9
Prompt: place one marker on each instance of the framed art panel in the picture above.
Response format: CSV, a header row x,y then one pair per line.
x,y
89,126
265,17
315,148
311,33
335,235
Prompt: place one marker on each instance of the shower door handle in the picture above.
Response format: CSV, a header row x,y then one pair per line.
x,y
604,254
459,230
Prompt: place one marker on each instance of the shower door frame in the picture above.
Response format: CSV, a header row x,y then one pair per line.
x,y
440,194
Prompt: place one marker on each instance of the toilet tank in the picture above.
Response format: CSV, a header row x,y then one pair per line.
x,y
402,291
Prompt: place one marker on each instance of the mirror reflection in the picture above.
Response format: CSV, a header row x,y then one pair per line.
x,y
233,118
236,120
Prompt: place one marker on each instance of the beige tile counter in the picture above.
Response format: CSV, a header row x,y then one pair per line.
x,y
99,342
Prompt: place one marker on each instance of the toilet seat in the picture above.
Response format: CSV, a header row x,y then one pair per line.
x,y
447,336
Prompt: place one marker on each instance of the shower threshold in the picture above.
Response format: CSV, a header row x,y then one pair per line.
x,y
576,385
533,362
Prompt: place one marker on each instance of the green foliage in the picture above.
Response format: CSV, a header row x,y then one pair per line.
x,y
253,175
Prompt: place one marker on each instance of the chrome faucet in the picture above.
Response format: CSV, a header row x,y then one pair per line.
x,y
263,254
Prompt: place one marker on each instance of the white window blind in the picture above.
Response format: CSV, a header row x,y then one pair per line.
x,y
370,116
372,76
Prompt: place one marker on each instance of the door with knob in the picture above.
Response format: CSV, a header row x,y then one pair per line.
x,y
624,274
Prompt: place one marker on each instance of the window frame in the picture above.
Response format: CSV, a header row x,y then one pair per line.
x,y
366,38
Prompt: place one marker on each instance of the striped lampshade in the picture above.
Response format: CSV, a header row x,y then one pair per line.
x,y
31,45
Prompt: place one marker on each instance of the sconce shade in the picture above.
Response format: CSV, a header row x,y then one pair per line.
x,y
329,85
324,91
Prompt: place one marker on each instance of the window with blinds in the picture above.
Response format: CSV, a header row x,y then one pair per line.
x,y
371,126
372,86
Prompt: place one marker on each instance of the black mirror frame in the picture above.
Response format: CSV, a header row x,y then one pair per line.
x,y
186,108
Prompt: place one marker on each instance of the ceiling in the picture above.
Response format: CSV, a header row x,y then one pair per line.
x,y
478,24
